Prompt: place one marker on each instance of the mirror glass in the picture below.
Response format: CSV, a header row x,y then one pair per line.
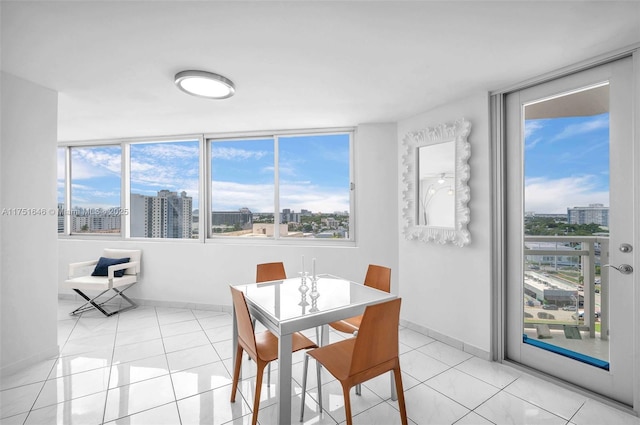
x,y
435,178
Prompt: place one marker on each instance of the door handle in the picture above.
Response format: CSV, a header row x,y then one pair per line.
x,y
622,268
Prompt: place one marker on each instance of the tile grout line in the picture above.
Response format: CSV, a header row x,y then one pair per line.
x,y
113,352
166,359
576,412
50,370
538,406
78,325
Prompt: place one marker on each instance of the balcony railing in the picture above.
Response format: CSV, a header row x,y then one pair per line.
x,y
589,250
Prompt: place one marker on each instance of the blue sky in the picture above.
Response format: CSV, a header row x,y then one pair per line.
x,y
314,173
566,163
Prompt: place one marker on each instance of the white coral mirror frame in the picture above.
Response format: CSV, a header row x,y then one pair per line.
x,y
435,178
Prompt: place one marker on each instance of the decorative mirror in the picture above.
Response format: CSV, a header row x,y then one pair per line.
x,y
435,176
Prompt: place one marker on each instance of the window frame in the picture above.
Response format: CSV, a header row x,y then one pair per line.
x,y
68,193
205,186
275,135
127,175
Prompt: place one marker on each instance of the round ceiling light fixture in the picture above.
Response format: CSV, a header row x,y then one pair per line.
x,y
205,84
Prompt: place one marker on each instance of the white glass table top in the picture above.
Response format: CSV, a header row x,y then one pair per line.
x,y
286,300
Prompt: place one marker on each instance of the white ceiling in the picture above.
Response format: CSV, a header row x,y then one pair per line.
x,y
304,64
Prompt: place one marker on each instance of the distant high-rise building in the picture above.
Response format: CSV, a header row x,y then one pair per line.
x,y
167,215
288,216
60,217
243,218
593,214
88,220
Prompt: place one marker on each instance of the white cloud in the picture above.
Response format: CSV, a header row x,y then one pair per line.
x,y
544,195
167,151
531,126
170,166
532,144
584,127
88,197
298,195
229,196
221,152
88,163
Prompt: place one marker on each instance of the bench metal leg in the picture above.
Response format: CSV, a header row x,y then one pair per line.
x,y
92,302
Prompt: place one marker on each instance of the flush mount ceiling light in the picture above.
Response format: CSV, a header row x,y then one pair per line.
x,y
205,84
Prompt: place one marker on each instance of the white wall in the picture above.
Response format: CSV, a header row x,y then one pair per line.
x,y
28,256
185,273
445,289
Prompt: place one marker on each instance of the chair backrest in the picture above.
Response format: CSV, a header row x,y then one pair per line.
x,y
133,254
378,277
245,325
270,271
377,340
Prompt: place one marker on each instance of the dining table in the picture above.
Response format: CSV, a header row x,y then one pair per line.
x,y
299,303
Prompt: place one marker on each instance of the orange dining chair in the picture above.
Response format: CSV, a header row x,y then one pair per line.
x,y
266,272
270,271
378,277
262,347
372,352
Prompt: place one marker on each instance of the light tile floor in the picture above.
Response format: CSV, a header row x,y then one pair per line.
x,y
156,366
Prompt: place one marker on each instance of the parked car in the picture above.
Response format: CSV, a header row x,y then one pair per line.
x,y
580,315
570,307
549,307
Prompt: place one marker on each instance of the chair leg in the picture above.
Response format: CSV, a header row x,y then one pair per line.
x,y
398,378
269,375
347,404
304,385
93,303
90,304
319,380
236,373
256,402
253,323
358,386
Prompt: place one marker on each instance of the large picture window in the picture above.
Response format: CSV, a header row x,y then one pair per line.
x,y
242,187
314,186
272,186
61,188
95,189
164,180
302,192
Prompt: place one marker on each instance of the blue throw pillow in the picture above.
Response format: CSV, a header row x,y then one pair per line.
x,y
104,263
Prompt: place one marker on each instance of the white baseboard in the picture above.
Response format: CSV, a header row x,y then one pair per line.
x,y
460,345
160,303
